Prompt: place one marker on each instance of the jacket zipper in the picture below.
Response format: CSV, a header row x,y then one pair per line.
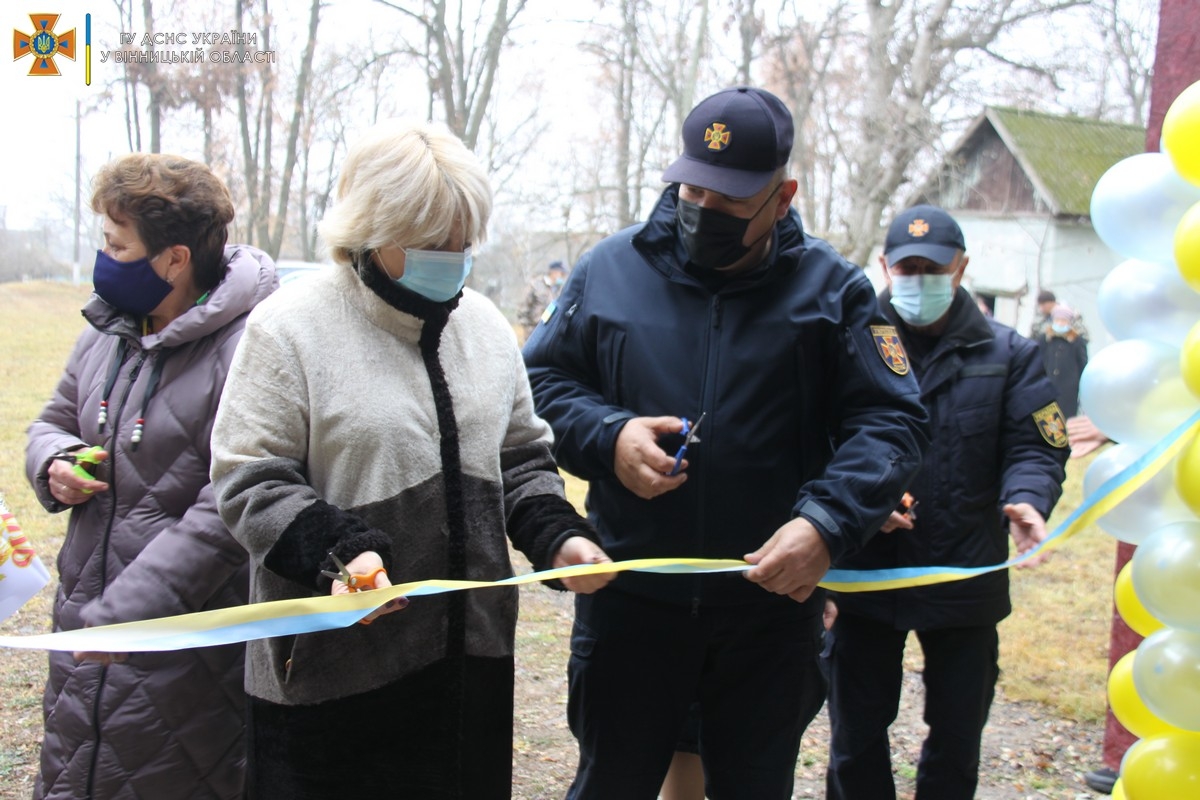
x,y
705,401
112,515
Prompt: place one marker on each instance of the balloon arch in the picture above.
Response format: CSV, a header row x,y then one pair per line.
x,y
1147,208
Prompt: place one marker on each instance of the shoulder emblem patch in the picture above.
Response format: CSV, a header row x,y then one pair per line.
x,y
1052,425
887,342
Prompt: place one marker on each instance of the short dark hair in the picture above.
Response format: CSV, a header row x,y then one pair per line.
x,y
556,266
1046,296
169,200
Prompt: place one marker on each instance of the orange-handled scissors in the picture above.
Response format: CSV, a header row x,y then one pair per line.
x,y
357,582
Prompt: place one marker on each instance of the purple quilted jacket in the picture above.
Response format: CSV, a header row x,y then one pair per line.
x,y
160,725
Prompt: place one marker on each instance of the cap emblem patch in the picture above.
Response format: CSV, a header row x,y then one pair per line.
x,y
918,228
717,136
887,342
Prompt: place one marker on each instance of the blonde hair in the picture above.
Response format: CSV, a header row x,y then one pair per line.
x,y
406,185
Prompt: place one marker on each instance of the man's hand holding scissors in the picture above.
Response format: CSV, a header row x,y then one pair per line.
x,y
640,463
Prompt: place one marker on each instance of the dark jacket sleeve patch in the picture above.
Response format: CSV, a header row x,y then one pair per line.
x,y
887,342
1051,424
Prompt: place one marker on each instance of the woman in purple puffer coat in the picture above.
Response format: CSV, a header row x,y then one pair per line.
x,y
144,539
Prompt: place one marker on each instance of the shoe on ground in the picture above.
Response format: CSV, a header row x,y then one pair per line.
x,y
1101,780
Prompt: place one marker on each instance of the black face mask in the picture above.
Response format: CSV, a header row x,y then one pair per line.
x,y
713,239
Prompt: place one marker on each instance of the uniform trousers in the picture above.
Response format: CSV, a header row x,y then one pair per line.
x,y
866,670
637,664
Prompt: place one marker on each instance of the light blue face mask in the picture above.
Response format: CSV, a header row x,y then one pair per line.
x,y
1061,328
921,300
434,274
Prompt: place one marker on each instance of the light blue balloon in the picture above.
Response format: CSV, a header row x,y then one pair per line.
x,y
1146,300
1138,203
1154,505
1166,575
1134,392
1166,674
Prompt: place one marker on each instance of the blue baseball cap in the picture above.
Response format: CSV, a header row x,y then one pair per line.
x,y
733,141
925,231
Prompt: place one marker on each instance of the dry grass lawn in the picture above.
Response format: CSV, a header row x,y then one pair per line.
x,y
1054,647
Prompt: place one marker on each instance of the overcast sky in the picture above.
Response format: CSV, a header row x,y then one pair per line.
x,y
37,137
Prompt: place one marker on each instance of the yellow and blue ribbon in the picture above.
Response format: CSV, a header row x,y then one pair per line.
x,y
327,612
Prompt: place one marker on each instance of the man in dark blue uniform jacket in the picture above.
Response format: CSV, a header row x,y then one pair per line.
x,y
718,305
994,470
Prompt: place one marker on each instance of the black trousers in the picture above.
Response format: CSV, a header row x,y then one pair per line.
x,y
443,733
866,669
638,664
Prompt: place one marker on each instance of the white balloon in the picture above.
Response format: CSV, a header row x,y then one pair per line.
x,y
1166,574
1134,391
1138,203
1146,300
1153,506
1166,674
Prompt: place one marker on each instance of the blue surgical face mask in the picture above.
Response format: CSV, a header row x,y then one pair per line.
x,y
132,287
434,274
922,299
1061,328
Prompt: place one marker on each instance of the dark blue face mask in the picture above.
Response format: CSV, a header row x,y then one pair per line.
x,y
129,286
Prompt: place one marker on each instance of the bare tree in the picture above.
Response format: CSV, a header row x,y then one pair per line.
x,y
1128,28
893,97
257,127
461,58
800,67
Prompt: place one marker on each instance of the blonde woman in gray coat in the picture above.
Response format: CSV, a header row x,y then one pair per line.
x,y
380,413
144,539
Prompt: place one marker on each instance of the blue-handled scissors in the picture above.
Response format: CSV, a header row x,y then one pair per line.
x,y
689,436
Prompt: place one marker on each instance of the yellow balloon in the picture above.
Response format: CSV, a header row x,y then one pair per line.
x,y
1187,475
1187,246
1118,792
1130,607
1163,768
1127,705
1189,360
1181,133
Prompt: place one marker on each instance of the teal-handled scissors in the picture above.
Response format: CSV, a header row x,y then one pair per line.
x,y
689,436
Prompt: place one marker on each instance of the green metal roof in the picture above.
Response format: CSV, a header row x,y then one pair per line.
x,y
1065,156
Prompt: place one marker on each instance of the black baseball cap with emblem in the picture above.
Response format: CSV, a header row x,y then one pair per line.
x,y
925,231
733,141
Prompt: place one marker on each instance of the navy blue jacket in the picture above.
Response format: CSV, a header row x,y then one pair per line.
x,y
998,438
805,417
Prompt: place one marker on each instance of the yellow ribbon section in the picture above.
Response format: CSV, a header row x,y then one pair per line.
x,y
327,612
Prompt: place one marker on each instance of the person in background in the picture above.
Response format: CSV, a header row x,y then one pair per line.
x,y
380,414
993,471
1046,301
804,429
144,539
543,290
1064,353
986,303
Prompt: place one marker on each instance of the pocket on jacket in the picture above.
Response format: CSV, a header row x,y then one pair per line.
x,y
977,463
614,386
